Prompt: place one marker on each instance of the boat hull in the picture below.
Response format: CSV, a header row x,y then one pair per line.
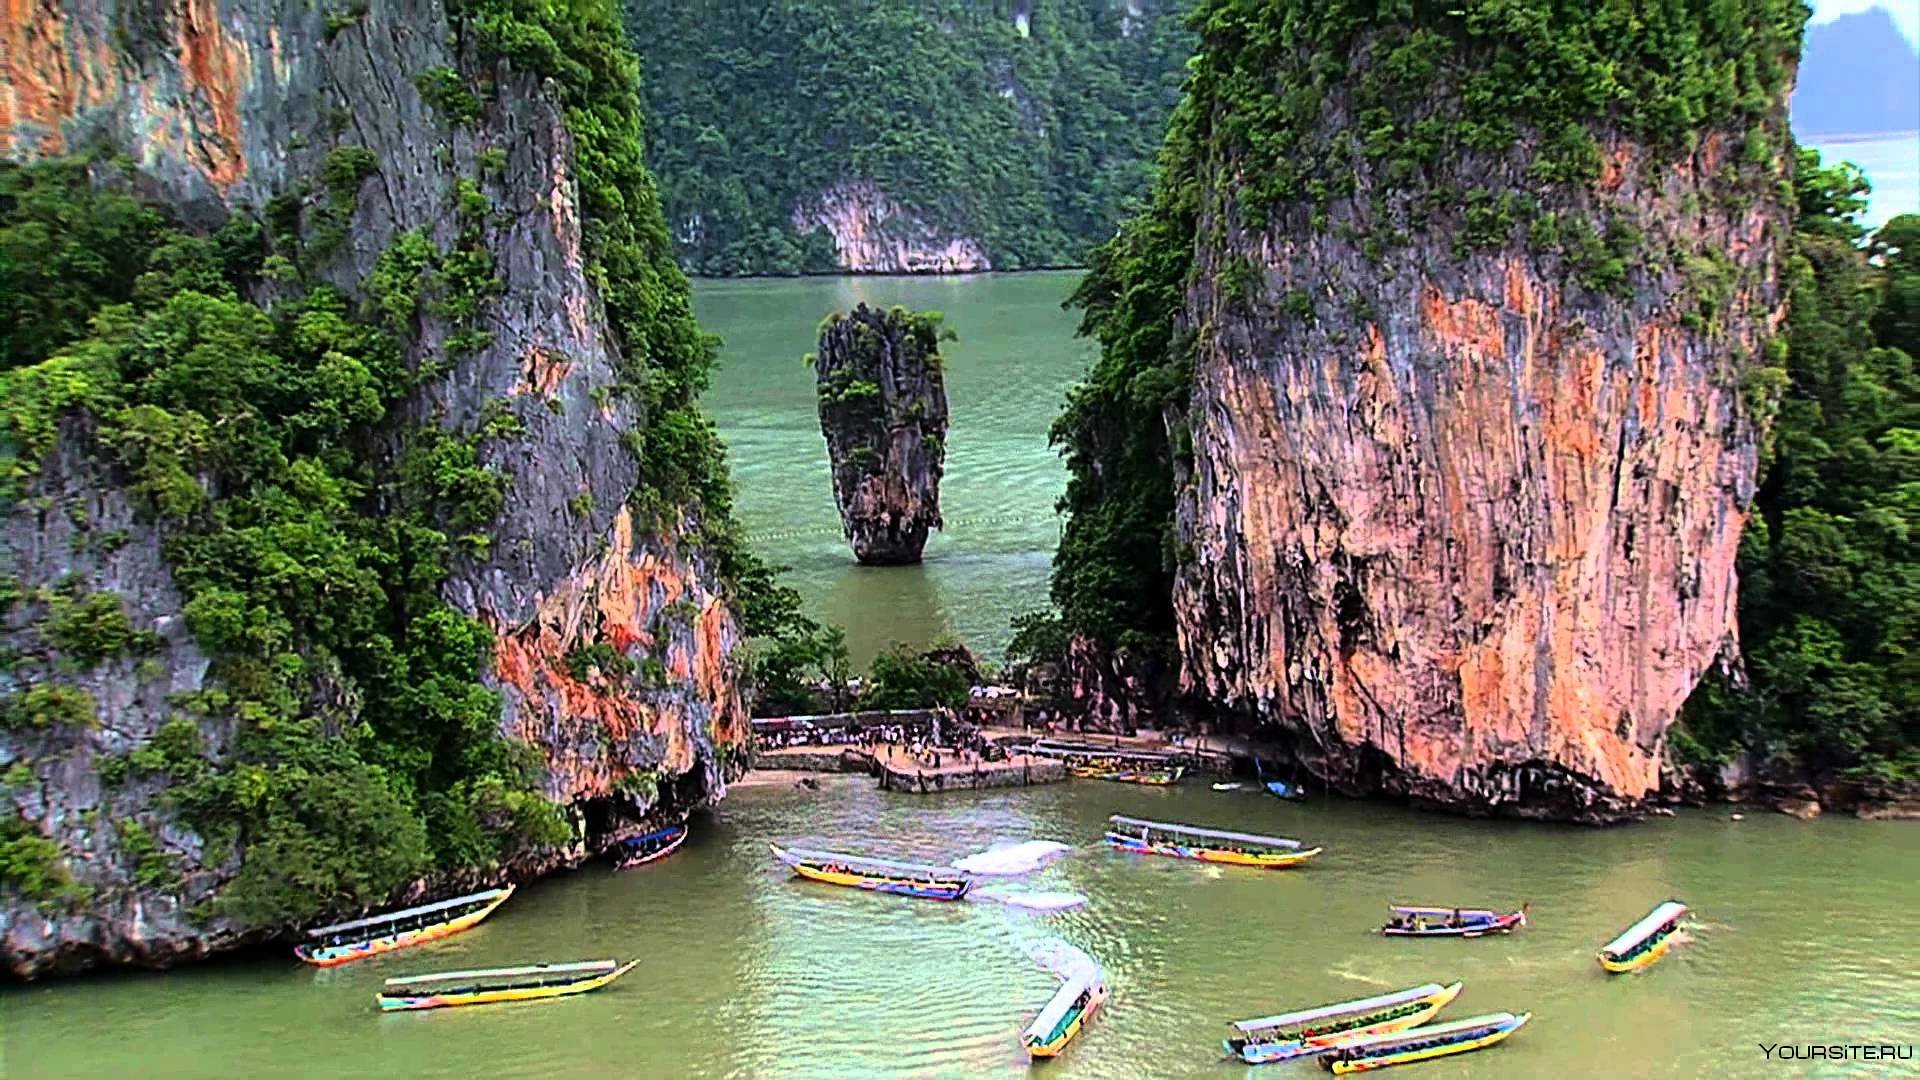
x,y
1269,1053
414,1003
335,955
953,889
1502,925
1071,1030
1278,860
1408,1057
669,848
1644,960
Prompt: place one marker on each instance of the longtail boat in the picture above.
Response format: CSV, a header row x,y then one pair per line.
x,y
1149,777
877,875
1083,989
360,938
1644,942
658,844
1064,1015
1205,845
1416,921
1369,1052
1313,1031
492,985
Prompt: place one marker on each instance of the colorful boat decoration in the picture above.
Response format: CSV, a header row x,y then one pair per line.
x,y
360,938
1205,845
1149,777
1312,1031
1416,921
1644,942
658,844
535,982
1369,1052
877,875
1083,990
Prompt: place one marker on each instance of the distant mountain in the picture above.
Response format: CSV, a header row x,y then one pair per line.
x,y
1858,75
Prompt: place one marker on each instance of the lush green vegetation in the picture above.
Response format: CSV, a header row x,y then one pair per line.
x,y
30,864
1032,145
1830,563
366,750
906,678
311,574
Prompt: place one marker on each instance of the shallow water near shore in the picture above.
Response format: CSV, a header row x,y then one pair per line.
x,y
1803,936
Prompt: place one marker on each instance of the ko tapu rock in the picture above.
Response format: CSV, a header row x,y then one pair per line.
x,y
883,410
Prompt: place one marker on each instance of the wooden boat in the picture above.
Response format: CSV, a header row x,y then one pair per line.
x,y
489,986
1415,921
1205,845
1369,1052
360,938
1313,1031
1644,942
1080,996
658,844
877,875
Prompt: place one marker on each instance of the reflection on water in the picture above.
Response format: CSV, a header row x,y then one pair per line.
x,y
747,972
1007,375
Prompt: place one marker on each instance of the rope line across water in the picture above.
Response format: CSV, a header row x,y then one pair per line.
x,y
951,525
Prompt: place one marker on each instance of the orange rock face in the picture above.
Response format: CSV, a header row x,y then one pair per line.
x,y
1466,532
592,723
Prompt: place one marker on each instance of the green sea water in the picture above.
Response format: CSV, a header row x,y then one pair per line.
x,y
1007,375
1803,935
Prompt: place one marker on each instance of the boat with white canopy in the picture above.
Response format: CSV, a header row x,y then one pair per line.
x,y
1644,942
1205,845
1307,1032
357,939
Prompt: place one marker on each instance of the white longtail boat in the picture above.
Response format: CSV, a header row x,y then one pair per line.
x,y
1205,845
1645,941
358,939
486,986
1307,1032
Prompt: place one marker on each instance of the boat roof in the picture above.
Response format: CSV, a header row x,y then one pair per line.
x,y
1096,751
502,973
655,834
405,913
1655,919
1421,1034
1211,834
807,855
1415,909
1057,1005
1360,1005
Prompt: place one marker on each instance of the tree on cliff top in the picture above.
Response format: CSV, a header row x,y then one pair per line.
x,y
1830,564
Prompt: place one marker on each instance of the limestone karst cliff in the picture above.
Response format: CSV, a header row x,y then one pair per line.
x,y
1451,319
370,542
883,411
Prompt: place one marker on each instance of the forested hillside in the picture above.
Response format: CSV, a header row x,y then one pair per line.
x,y
902,134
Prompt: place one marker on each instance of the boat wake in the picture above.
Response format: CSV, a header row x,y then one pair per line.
x,y
1064,959
1030,901
1357,977
1012,860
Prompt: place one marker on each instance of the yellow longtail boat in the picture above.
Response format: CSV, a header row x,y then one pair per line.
x,y
1370,1052
1083,989
360,938
1314,1031
535,982
1644,942
1206,845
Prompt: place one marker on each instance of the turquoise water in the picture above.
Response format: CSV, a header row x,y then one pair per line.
x,y
1803,934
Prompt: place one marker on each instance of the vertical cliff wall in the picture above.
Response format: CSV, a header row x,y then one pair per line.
x,y
522,483
1468,437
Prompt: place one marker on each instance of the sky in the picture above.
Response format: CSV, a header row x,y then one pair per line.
x,y
1905,12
